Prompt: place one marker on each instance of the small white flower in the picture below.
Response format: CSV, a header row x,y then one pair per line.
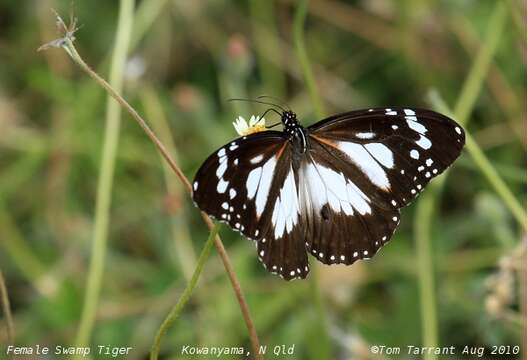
x,y
255,125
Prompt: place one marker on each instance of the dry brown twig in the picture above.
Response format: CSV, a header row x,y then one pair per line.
x,y
66,42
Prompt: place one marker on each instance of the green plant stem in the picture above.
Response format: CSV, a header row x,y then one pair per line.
x,y
423,244
301,53
485,167
425,207
19,250
184,252
473,83
6,309
147,13
104,187
501,188
185,296
518,20
253,336
262,21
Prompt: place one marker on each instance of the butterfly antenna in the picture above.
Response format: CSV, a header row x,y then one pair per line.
x,y
270,109
272,126
259,102
276,99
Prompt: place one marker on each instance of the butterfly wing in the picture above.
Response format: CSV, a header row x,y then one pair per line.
x,y
371,163
250,185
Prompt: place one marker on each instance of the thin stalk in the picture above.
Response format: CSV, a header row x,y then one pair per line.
x,y
423,244
67,44
145,16
6,309
262,20
19,250
487,169
105,183
495,180
184,252
480,67
518,20
425,207
185,296
303,58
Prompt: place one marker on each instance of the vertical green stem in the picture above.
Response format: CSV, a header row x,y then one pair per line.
x,y
301,53
427,293
263,19
181,234
185,296
425,208
478,71
104,187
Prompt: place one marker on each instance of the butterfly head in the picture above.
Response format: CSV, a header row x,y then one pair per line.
x,y
294,130
290,122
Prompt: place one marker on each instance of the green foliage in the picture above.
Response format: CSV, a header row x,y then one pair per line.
x,y
186,59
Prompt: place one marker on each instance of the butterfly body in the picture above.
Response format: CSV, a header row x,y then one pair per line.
x,y
333,189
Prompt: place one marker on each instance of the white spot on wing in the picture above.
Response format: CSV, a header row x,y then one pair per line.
x,y
252,181
458,130
416,126
414,154
366,135
424,142
362,158
381,153
285,212
221,152
221,169
222,186
232,193
265,185
409,112
256,159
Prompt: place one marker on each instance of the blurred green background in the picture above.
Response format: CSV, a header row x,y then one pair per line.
x,y
452,274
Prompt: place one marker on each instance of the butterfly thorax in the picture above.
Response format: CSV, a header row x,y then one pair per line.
x,y
295,132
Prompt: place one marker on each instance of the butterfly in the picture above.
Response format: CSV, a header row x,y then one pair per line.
x,y
333,189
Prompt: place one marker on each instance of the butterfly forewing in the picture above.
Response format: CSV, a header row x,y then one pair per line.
x,y
396,150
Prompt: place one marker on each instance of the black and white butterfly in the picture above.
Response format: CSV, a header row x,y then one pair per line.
x,y
333,189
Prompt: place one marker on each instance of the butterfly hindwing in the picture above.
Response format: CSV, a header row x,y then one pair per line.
x,y
344,223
